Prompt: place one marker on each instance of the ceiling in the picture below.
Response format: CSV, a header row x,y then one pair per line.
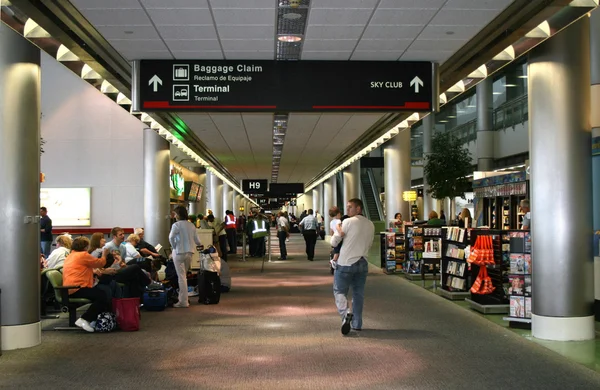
x,y
379,30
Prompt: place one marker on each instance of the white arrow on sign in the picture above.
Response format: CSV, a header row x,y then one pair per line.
x,y
416,82
155,80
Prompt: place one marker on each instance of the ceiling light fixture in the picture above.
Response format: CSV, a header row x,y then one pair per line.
x,y
289,38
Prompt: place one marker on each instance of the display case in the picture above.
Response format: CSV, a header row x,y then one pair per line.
x,y
392,250
519,280
455,270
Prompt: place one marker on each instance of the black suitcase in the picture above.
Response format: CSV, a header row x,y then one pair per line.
x,y
209,287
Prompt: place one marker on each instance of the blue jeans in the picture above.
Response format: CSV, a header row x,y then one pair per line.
x,y
354,276
46,247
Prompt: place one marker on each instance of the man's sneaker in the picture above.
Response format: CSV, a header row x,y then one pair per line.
x,y
177,305
83,324
346,323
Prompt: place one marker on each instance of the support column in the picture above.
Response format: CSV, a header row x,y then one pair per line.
x,y
316,204
236,204
199,206
351,182
485,125
428,201
307,201
595,122
216,199
19,193
227,200
561,177
156,188
328,200
396,168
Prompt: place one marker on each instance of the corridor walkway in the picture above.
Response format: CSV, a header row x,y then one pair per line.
x,y
279,330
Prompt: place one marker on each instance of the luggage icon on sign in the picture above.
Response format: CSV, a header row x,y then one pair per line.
x,y
181,72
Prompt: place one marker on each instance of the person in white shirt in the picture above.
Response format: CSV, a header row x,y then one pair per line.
x,y
283,227
335,214
352,266
130,251
309,231
183,240
58,256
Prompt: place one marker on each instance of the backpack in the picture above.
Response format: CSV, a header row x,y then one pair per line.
x,y
106,322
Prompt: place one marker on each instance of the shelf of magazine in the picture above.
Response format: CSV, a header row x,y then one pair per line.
x,y
423,251
455,269
519,272
392,253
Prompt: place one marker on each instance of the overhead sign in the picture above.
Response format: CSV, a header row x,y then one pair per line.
x,y
254,186
409,196
267,86
286,189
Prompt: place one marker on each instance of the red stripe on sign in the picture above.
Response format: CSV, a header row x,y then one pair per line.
x,y
165,104
408,105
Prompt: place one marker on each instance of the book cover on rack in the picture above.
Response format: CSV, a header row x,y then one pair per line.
x,y
517,242
391,253
527,285
517,284
527,264
517,307
517,263
527,242
391,239
528,307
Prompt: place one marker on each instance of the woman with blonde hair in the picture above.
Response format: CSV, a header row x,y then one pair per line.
x,y
130,244
63,248
462,218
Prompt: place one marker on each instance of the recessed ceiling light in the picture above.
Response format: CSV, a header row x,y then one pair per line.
x,y
510,85
289,38
128,32
522,77
496,93
292,16
451,116
449,32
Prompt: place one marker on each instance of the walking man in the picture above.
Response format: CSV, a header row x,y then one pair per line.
x,y
309,231
283,227
45,232
357,233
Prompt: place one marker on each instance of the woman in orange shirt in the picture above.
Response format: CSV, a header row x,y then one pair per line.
x,y
78,271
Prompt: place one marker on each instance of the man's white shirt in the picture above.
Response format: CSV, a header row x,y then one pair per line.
x,y
359,233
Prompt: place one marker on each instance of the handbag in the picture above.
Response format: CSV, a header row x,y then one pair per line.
x,y
127,311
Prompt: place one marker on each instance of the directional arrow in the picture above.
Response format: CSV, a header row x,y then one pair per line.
x,y
416,82
155,80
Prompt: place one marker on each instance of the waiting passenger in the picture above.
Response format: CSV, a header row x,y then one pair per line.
x,y
130,252
58,256
434,220
118,236
78,271
464,218
97,242
143,247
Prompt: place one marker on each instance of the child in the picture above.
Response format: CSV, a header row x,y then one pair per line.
x,y
335,251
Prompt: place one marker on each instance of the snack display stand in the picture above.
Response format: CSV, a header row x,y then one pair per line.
x,y
455,269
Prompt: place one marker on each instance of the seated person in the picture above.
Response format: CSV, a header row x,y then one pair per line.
x,y
97,242
225,277
434,220
105,281
131,275
130,252
145,249
58,256
78,271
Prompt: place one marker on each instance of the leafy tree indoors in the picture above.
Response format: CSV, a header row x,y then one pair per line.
x,y
447,167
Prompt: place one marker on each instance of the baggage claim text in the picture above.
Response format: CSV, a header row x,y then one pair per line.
x,y
222,73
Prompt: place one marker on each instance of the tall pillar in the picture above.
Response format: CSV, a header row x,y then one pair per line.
x,y
216,199
396,168
20,98
428,201
316,204
199,206
595,122
485,125
227,199
236,204
351,182
307,201
328,200
156,188
561,177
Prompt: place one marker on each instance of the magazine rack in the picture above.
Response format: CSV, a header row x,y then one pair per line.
x,y
519,264
455,269
497,301
392,250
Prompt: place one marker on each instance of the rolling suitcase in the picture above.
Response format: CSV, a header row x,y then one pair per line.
x,y
209,287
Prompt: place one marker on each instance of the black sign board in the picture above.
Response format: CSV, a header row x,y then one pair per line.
x,y
286,189
267,86
251,186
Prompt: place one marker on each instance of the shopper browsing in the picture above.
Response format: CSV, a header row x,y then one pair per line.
x,y
352,266
526,224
